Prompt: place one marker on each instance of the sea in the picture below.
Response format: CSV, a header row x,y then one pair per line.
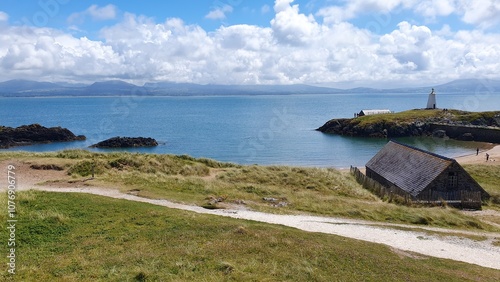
x,y
252,129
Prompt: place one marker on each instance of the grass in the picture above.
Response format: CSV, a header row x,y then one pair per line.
x,y
315,191
406,116
79,237
487,175
422,115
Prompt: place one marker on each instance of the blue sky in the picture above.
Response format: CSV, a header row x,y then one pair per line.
x,y
324,42
55,13
190,11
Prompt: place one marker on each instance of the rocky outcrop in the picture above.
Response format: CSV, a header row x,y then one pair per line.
x,y
33,134
126,142
349,127
473,126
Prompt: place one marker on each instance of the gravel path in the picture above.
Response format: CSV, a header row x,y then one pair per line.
x,y
457,248
403,242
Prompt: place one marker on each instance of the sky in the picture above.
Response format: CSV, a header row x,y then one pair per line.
x,y
338,43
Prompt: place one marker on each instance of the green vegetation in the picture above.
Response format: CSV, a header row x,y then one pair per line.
x,y
422,115
406,116
79,237
409,123
287,190
488,176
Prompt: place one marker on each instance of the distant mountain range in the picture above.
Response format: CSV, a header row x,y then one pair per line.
x,y
28,88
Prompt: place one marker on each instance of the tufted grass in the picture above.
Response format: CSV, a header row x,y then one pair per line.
x,y
80,237
275,189
422,115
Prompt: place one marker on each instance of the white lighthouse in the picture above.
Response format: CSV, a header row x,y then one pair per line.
x,y
431,102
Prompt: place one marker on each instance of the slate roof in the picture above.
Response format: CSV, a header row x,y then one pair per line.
x,y
409,168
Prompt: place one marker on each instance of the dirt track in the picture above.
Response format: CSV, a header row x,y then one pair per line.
x,y
403,242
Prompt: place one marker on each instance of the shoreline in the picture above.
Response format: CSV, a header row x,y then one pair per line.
x,y
466,156
493,151
494,157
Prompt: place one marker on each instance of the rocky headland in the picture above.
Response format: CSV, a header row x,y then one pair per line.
x,y
461,125
126,142
33,134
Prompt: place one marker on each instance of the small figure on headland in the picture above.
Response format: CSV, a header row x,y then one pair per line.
x,y
477,151
487,157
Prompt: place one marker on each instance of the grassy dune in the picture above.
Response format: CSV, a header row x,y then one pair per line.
x,y
212,184
78,237
488,176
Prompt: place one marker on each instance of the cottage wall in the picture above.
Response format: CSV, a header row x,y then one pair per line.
x,y
427,177
375,176
464,181
440,183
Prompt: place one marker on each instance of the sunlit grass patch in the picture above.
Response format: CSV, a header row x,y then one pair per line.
x,y
275,189
106,239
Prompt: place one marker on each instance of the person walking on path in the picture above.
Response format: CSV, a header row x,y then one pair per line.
x,y
477,151
487,157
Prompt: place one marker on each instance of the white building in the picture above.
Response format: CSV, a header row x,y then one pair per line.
x,y
431,102
373,112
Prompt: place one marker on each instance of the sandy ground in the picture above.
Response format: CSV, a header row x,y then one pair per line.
x,y
494,158
402,242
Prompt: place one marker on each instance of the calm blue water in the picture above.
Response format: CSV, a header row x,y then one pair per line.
x,y
239,129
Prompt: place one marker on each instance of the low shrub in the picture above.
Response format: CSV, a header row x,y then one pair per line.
x,y
86,167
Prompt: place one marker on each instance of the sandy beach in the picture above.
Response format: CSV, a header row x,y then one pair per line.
x,y
494,157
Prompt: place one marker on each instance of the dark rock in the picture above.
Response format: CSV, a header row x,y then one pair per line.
x,y
467,137
126,142
439,134
281,204
335,126
384,132
46,167
398,130
480,122
454,124
35,133
268,199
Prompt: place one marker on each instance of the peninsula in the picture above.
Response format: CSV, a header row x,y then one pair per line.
x,y
455,124
35,133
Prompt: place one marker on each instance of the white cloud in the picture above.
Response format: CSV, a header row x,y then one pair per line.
x,y
170,50
96,13
296,48
292,27
434,8
445,31
409,45
219,13
484,14
3,16
43,52
265,9
105,13
355,8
